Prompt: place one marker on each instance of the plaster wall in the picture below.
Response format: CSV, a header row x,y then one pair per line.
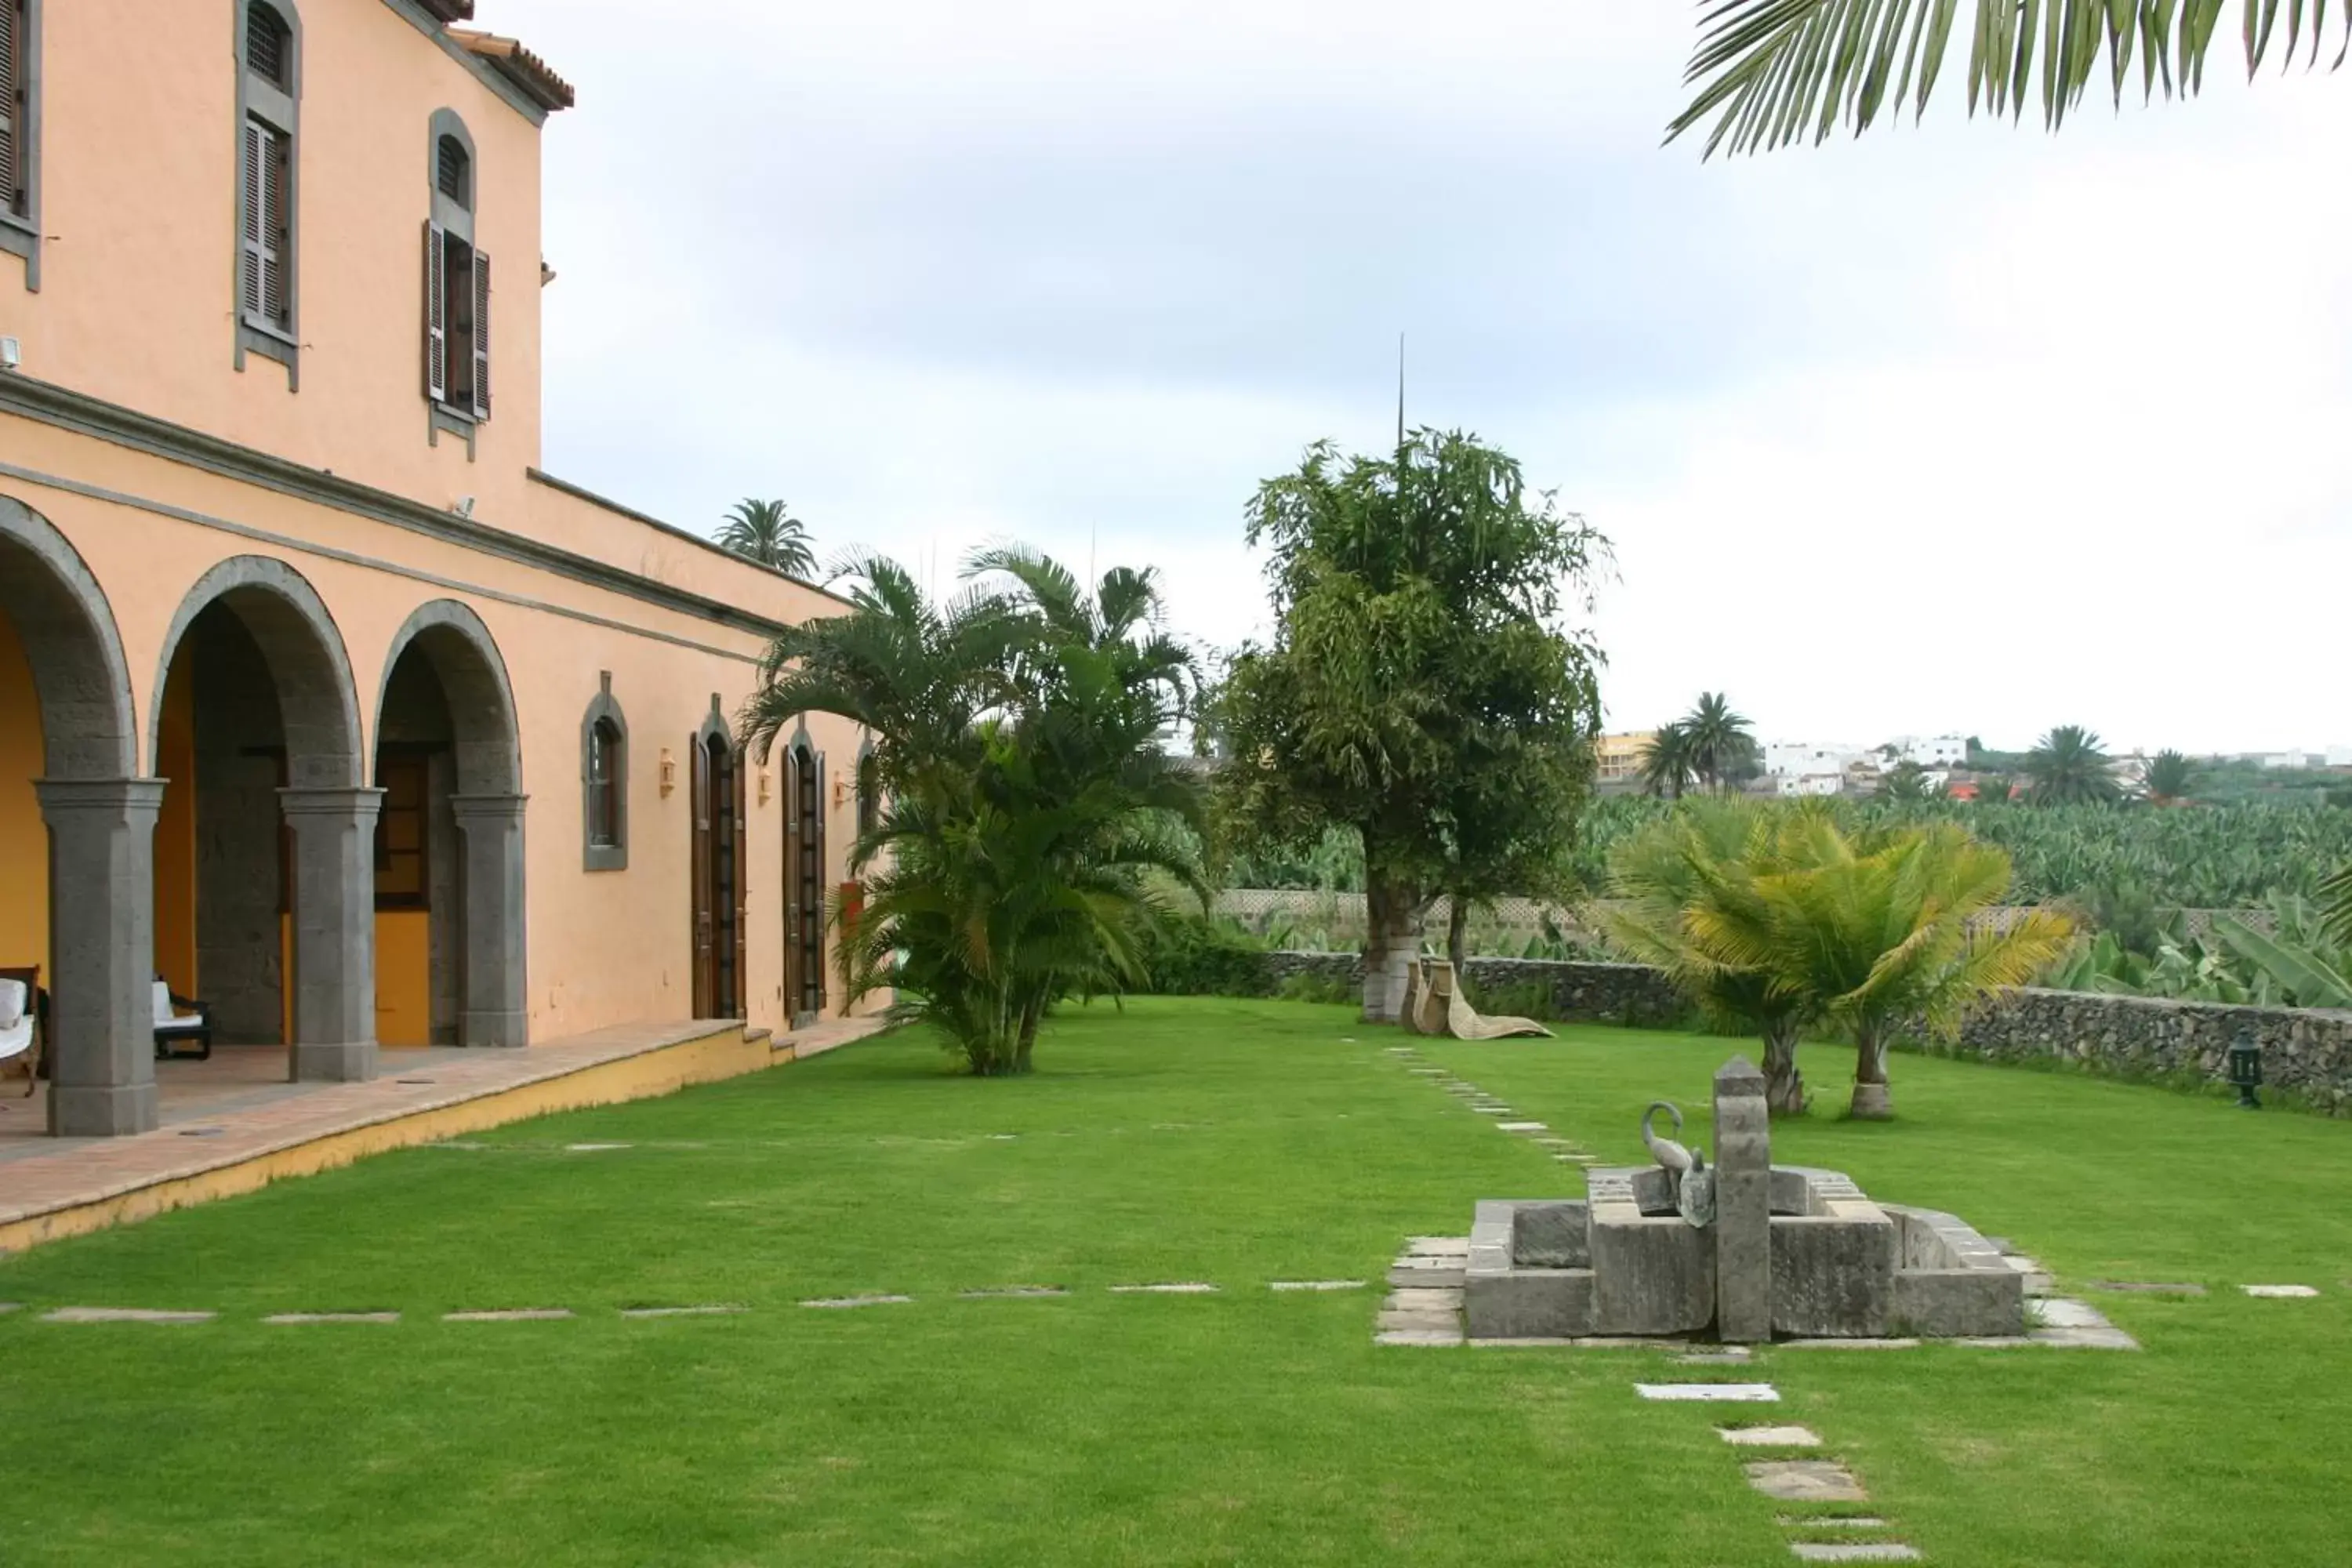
x,y
23,838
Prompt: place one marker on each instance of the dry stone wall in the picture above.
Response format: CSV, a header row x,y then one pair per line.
x,y
1582,992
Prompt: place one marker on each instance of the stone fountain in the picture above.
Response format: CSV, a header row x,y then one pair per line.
x,y
1742,1249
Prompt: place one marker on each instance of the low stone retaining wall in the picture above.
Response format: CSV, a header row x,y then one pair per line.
x,y
1582,992
2305,1050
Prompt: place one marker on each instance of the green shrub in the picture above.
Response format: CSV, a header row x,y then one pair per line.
x,y
1325,988
1520,999
1190,955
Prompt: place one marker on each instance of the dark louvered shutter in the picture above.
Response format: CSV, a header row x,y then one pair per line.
x,y
250,223
436,315
481,335
818,872
699,792
740,851
278,228
12,108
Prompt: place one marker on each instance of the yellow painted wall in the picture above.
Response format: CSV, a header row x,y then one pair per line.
x,y
175,837
23,839
403,977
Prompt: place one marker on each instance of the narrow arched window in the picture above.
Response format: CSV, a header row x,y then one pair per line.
x,y
267,180
456,285
605,782
20,134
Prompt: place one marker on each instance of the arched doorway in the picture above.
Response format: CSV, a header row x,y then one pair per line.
x,y
265,856
449,847
75,813
803,881
721,826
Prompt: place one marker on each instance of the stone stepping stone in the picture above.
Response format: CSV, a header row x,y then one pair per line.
x,y
2037,1278
1014,1292
1428,1072
1805,1480
1857,1344
2146,1288
509,1315
713,1310
333,1317
1853,1552
1522,1344
1437,1246
8,1306
592,1148
1315,1285
2106,1339
2279,1293
1830,1521
1770,1437
1734,1357
1172,1288
1423,1300
1421,1275
1711,1393
1418,1337
844,1303
1521,1126
2058,1312
1446,1322
123,1315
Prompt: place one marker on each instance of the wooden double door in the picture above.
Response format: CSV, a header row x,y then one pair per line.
x,y
721,830
803,884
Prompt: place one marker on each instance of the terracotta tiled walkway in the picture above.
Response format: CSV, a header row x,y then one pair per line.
x,y
237,1106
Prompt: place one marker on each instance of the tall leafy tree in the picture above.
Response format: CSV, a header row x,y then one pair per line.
x,y
1423,687
767,532
1719,740
1666,767
2066,767
2169,778
1770,73
1031,823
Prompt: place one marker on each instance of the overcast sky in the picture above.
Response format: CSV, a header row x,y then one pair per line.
x,y
1957,428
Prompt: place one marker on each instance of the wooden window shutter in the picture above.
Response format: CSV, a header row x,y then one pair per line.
x,y
792,884
437,314
482,341
278,227
698,802
12,108
741,850
817,876
251,222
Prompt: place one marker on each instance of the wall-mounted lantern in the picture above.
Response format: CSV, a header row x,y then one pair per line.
x,y
764,786
668,772
2246,1069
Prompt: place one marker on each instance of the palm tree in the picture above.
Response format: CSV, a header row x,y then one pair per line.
x,y
1666,767
1995,789
1874,933
2067,768
1709,854
767,532
1775,72
1032,820
1719,738
2169,779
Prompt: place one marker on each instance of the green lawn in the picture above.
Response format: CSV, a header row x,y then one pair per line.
x,y
1231,1143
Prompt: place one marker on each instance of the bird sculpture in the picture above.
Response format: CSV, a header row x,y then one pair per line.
x,y
1670,1154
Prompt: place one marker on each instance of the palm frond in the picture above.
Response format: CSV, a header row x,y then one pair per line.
x,y
1770,73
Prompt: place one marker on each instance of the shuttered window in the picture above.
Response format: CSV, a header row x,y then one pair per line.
x,y
453,172
456,324
266,226
14,93
269,50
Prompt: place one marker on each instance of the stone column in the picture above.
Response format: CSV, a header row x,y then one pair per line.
x,y
492,1007
102,941
334,931
1743,1204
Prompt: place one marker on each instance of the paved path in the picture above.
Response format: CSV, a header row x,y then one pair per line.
x,y
243,1118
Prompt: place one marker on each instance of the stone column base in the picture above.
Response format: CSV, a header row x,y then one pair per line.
x,y
350,1061
87,1112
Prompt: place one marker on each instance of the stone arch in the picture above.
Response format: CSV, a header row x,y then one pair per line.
x,y
481,698
488,807
308,664
100,817
68,631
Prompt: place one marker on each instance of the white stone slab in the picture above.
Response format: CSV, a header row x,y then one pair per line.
x,y
1852,1551
2280,1292
711,1309
1170,1287
1411,1300
1521,1126
1315,1285
123,1315
1418,1337
1770,1437
333,1317
844,1303
590,1148
1437,1246
1711,1393
509,1315
1830,1521
1804,1481
2109,1337
2058,1312
1858,1344
1014,1293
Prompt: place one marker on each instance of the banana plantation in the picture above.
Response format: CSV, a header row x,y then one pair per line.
x,y
2296,963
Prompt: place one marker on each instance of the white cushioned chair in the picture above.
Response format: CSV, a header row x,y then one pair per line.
x,y
20,1032
174,1028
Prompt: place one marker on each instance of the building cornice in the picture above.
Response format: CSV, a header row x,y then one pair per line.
x,y
64,409
684,536
422,16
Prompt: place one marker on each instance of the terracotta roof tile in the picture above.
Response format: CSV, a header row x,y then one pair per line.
x,y
519,65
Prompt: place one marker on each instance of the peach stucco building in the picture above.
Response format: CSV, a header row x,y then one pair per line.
x,y
318,698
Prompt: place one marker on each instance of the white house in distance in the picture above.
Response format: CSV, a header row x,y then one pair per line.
x,y
1799,768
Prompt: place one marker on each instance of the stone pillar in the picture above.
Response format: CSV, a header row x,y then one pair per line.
x,y
103,942
1743,1204
334,931
492,1008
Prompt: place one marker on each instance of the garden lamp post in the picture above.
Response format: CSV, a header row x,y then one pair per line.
x,y
2246,1069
